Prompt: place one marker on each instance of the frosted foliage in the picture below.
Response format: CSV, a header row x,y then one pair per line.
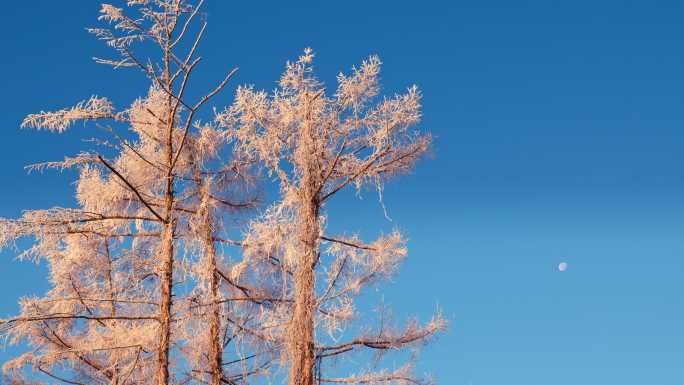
x,y
87,314
140,287
354,141
316,145
147,281
93,108
95,193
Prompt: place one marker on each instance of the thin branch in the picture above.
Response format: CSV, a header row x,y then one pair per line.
x,y
65,316
371,380
58,378
194,109
347,243
353,177
187,23
130,186
183,65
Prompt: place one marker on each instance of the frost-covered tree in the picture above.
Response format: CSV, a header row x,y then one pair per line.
x,y
316,145
146,286
141,289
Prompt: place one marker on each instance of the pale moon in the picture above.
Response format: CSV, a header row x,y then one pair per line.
x,y
562,266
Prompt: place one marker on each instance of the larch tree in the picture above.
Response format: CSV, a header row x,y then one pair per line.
x,y
145,287
141,290
316,145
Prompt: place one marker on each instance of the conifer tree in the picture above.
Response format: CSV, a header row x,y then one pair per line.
x,y
148,284
139,283
318,145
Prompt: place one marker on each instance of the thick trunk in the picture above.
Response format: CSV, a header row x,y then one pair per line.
x,y
167,257
165,306
214,342
166,273
112,306
302,328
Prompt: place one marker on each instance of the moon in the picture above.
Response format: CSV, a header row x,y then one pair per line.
x,y
562,266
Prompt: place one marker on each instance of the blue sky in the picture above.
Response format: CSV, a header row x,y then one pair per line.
x,y
559,136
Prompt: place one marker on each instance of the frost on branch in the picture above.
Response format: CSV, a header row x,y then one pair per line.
x,y
353,140
138,289
317,145
91,109
149,281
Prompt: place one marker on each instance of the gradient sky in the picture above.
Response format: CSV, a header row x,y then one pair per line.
x,y
559,133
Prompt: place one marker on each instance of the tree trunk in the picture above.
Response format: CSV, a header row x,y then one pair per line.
x,y
166,270
214,343
112,305
302,329
165,306
167,237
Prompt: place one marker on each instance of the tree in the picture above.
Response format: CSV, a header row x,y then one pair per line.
x,y
317,145
121,296
146,285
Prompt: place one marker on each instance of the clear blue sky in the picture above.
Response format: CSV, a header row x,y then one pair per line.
x,y
559,137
